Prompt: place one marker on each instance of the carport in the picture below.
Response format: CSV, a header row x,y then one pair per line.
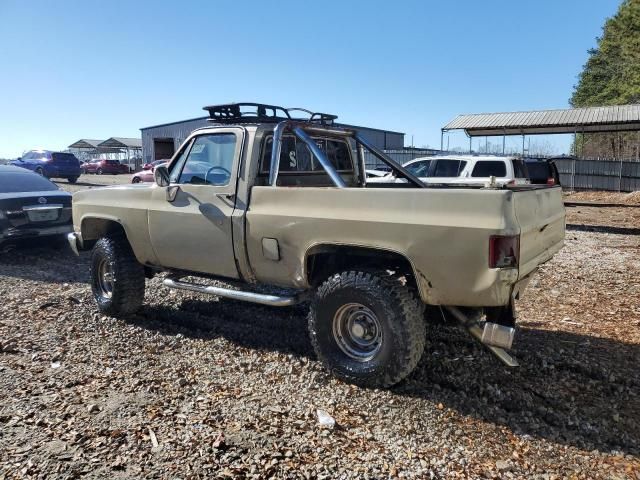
x,y
613,173
614,118
131,146
86,148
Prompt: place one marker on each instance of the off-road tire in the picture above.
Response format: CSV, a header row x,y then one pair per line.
x,y
128,276
401,318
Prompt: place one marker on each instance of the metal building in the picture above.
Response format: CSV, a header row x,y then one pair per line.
x,y
161,141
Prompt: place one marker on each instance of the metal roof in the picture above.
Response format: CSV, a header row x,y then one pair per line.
x,y
571,120
122,142
86,143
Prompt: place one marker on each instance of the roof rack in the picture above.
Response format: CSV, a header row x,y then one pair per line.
x,y
248,112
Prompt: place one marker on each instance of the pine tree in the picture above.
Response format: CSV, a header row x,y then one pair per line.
x,y
611,76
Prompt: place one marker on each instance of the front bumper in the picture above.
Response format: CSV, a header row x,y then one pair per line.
x,y
15,234
74,242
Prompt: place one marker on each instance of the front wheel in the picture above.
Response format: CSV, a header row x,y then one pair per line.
x,y
367,328
72,179
117,278
99,171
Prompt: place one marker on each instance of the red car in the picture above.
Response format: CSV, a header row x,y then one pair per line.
x,y
151,165
146,175
101,165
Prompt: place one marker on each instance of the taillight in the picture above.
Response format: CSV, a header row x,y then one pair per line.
x,y
504,251
551,181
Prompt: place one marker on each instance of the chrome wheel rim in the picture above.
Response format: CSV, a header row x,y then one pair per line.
x,y
357,331
104,278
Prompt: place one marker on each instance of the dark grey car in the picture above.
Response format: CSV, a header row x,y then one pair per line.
x,y
31,206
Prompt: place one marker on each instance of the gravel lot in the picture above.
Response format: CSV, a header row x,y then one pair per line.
x,y
194,387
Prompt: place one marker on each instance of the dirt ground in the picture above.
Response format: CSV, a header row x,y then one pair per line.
x,y
194,387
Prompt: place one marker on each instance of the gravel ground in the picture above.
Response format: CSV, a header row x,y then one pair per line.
x,y
92,181
194,387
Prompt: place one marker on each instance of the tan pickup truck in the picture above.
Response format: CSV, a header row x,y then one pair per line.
x,y
261,197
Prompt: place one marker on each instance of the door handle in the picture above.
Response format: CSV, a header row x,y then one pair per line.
x,y
226,196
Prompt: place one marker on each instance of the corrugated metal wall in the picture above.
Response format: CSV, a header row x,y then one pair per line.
x,y
181,130
177,131
612,175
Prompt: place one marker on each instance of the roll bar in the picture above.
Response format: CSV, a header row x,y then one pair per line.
x,y
302,130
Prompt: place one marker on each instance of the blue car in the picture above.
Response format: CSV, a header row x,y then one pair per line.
x,y
51,164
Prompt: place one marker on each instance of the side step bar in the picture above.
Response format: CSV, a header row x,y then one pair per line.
x,y
474,329
261,298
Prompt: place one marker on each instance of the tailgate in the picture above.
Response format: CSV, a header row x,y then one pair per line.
x,y
540,214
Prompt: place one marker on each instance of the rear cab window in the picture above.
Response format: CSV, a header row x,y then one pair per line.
x,y
489,168
295,157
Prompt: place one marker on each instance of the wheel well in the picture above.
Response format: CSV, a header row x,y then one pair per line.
x,y
94,228
325,260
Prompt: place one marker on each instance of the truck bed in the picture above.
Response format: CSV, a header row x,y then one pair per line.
x,y
443,231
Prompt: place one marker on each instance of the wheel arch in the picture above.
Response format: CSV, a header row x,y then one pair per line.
x,y
94,227
323,260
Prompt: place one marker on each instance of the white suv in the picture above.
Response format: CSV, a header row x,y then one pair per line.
x,y
464,170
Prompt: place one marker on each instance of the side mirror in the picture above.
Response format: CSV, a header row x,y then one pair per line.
x,y
161,176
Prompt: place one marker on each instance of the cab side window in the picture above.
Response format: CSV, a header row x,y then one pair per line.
x,y
208,161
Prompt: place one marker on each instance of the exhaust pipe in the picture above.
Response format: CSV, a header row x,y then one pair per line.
x,y
263,299
494,336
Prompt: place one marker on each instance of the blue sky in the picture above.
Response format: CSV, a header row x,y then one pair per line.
x,y
89,69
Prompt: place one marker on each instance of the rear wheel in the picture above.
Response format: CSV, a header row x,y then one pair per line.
x,y
99,171
367,328
135,180
117,278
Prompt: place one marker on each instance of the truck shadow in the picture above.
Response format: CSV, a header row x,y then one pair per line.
x,y
572,389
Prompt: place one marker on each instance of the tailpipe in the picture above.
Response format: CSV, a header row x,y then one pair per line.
x,y
494,336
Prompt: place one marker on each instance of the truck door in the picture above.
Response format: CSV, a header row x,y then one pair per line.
x,y
193,230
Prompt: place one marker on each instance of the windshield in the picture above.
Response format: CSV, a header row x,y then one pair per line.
x,y
24,182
